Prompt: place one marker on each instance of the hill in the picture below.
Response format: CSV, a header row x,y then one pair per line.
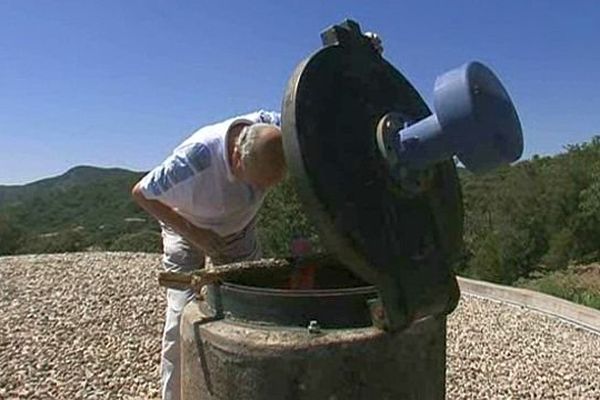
x,y
76,176
91,208
85,207
525,225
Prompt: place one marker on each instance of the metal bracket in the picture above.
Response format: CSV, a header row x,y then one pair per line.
x,y
348,34
411,182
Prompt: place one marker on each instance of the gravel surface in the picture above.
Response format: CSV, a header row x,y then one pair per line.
x,y
499,351
88,326
80,326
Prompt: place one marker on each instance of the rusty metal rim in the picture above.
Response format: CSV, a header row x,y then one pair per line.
x,y
300,293
329,308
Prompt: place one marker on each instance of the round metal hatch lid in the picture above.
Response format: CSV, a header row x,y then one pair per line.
x,y
333,103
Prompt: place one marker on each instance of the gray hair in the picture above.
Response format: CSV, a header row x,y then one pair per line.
x,y
246,142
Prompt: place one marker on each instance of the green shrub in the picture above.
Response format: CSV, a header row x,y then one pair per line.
x,y
144,241
560,250
70,240
572,284
10,235
281,220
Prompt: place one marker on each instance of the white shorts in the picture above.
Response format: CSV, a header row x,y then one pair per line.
x,y
180,256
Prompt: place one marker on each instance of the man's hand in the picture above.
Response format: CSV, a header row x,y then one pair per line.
x,y
375,40
205,239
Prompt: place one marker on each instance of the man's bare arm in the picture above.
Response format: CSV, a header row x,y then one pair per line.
x,y
205,239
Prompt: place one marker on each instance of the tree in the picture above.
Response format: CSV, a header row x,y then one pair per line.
x,y
10,235
282,219
144,241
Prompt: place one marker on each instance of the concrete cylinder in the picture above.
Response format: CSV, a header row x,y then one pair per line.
x,y
224,359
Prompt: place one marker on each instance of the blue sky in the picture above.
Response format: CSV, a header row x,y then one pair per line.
x,y
120,83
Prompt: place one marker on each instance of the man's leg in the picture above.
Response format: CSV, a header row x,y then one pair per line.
x,y
179,256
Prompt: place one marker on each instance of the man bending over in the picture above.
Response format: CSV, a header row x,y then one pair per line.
x,y
206,196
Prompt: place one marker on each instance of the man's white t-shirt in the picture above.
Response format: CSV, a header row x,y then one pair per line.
x,y
196,179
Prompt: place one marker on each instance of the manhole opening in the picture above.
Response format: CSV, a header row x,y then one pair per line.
x,y
317,275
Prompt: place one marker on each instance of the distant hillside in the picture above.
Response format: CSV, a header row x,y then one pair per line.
x,y
524,224
91,208
538,215
76,176
85,207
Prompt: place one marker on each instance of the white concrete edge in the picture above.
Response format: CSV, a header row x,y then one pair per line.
x,y
584,317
